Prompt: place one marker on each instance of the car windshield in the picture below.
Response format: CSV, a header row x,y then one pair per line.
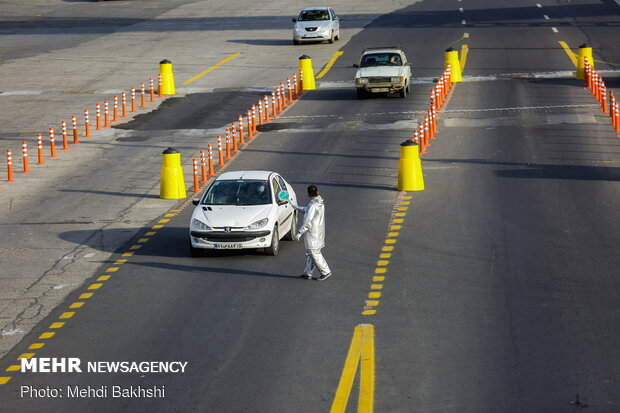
x,y
313,15
238,192
381,59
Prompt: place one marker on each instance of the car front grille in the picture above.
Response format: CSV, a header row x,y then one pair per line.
x,y
379,79
311,29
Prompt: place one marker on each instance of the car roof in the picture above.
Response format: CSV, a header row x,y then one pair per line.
x,y
261,175
316,8
382,50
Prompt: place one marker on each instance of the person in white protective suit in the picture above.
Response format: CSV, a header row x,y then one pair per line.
x,y
313,231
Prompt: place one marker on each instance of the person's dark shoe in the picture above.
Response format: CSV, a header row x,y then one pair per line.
x,y
324,277
305,276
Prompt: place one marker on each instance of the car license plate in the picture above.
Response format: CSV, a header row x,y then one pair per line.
x,y
310,36
380,89
228,246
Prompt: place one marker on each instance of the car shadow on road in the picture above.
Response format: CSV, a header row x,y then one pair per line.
x,y
264,42
205,268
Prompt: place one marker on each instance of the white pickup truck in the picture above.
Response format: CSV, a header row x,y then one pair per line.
x,y
383,70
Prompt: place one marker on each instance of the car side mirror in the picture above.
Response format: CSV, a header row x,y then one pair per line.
x,y
196,201
294,20
356,65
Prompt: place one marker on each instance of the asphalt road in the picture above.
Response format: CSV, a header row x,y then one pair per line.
x,y
500,294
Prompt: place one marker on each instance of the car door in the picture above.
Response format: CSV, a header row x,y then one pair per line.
x,y
335,22
283,207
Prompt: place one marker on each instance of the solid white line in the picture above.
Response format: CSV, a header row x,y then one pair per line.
x,y
555,30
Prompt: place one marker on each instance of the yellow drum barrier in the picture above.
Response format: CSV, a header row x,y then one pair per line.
x,y
452,59
167,77
305,65
172,184
583,52
410,176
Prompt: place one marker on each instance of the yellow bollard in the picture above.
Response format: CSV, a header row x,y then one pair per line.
x,y
172,184
167,77
452,59
305,64
583,52
410,176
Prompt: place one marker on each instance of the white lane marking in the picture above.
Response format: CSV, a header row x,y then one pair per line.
x,y
555,30
546,17
539,5
461,9
463,22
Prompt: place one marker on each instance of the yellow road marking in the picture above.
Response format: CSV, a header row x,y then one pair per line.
x,y
163,221
329,64
26,356
396,227
112,269
387,248
14,367
94,286
463,60
571,55
119,262
85,296
398,221
49,334
212,68
150,233
57,325
35,346
385,255
374,294
135,247
369,312
128,254
390,241
4,380
157,226
378,278
77,304
67,314
383,262
361,353
376,286
393,234
103,278
372,303
143,240
380,270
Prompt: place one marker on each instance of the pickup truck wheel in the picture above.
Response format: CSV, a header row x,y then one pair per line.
x,y
403,91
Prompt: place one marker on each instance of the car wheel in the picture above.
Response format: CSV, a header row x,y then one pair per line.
x,y
291,234
331,39
361,94
275,243
337,37
403,91
295,42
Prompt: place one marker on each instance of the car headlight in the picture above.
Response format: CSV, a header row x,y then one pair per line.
x,y
298,30
258,224
361,80
398,79
197,224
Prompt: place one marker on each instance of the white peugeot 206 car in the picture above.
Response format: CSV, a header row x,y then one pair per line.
x,y
316,24
243,209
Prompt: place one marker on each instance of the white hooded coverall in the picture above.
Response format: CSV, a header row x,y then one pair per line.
x,y
313,228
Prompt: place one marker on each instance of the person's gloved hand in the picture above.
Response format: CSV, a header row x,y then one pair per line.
x,y
298,236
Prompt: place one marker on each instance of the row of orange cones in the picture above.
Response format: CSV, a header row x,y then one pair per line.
x,y
267,108
87,127
596,84
428,127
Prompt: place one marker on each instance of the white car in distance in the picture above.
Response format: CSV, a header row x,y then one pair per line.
x,y
243,209
316,24
383,70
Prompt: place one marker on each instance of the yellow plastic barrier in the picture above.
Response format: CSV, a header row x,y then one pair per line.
x,y
167,78
305,65
583,52
452,59
410,176
172,184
